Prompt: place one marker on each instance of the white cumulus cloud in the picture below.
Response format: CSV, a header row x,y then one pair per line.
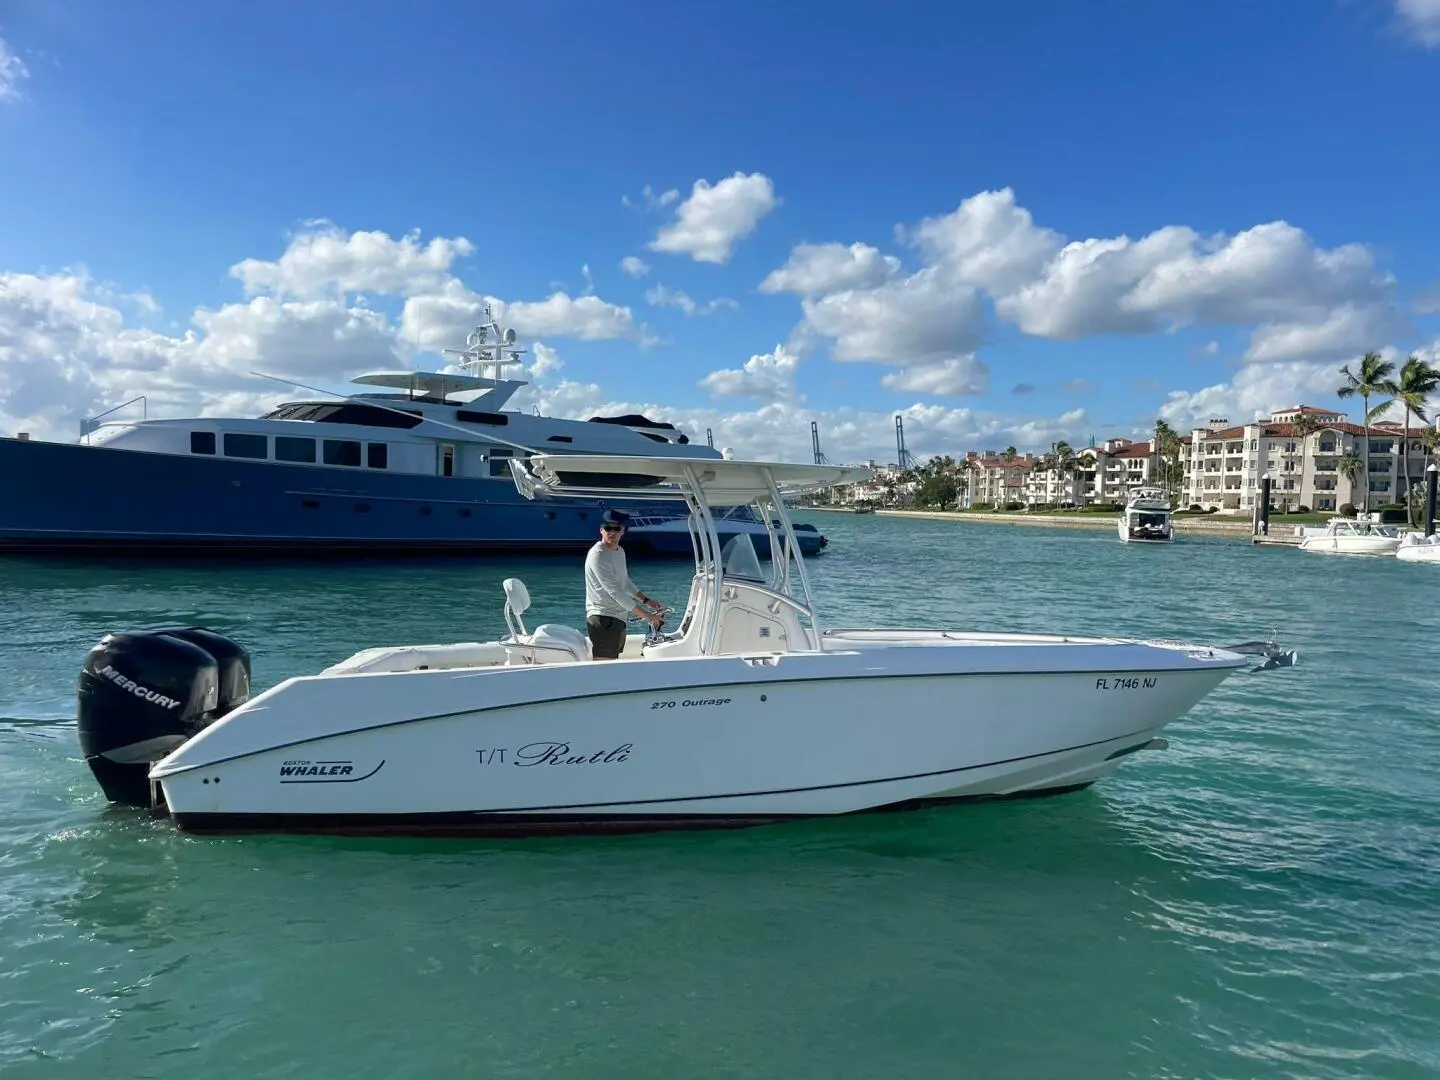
x,y
664,296
66,350
958,375
1299,301
12,73
712,220
825,268
325,260
635,266
1421,18
765,377
921,323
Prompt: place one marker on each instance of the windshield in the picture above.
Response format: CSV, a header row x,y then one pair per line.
x,y
738,559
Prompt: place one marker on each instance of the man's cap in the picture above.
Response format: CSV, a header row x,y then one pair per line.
x,y
613,517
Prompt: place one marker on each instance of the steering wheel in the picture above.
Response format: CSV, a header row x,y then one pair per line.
x,y
652,633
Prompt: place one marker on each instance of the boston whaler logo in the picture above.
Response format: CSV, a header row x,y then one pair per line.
x,y
133,687
304,771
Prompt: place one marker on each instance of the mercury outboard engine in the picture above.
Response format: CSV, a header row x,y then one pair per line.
x,y
143,693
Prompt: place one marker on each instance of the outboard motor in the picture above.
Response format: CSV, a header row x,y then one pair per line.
x,y
143,693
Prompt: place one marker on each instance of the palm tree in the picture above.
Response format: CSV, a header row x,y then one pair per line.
x,y
1350,466
1302,428
1373,378
1008,457
1417,381
962,483
1078,465
1167,442
1065,466
1431,441
1039,467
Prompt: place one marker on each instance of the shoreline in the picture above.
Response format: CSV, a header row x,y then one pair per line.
x,y
1199,526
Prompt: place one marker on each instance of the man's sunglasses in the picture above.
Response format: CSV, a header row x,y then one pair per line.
x,y
610,528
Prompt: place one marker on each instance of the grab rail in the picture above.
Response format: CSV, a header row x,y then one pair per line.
x,y
88,425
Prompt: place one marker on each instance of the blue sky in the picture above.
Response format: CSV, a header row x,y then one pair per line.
x,y
150,147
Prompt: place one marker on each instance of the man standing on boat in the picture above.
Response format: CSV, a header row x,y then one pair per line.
x,y
609,592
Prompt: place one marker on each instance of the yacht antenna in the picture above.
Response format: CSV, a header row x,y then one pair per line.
x,y
480,353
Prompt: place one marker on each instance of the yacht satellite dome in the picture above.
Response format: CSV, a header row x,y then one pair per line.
x,y
510,336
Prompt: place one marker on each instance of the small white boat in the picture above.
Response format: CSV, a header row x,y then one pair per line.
x,y
1365,535
751,711
1417,547
1146,519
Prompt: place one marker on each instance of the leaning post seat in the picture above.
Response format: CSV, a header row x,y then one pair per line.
x,y
553,643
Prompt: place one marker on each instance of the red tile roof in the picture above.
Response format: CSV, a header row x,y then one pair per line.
x,y
1134,450
1287,431
1310,410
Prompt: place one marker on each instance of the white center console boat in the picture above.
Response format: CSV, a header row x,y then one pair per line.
x,y
751,710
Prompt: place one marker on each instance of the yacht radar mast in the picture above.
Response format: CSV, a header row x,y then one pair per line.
x,y
480,353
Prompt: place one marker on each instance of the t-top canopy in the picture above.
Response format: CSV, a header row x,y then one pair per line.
x,y
721,482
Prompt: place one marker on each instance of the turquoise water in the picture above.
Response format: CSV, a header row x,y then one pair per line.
x,y
1261,900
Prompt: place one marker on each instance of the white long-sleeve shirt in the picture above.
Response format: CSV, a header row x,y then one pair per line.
x,y
608,588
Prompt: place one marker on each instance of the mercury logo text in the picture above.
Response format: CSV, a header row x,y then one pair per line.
x,y
133,687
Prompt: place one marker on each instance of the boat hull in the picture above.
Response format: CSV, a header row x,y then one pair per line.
x,y
1350,545
752,743
1144,535
1420,553
67,498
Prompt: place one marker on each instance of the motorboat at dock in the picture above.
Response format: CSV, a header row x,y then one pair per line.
x,y
1363,535
1417,547
752,710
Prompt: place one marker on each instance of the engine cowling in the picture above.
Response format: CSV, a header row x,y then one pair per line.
x,y
143,693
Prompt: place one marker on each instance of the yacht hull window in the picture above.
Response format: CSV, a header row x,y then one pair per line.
x,y
244,445
202,442
447,459
289,448
471,416
377,455
342,452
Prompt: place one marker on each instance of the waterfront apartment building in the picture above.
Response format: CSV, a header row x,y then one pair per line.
x,y
1106,474
992,480
1224,463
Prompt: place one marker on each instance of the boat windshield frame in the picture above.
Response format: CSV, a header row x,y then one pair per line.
x,y
788,578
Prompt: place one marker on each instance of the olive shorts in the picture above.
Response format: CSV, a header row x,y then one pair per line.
x,y
607,636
